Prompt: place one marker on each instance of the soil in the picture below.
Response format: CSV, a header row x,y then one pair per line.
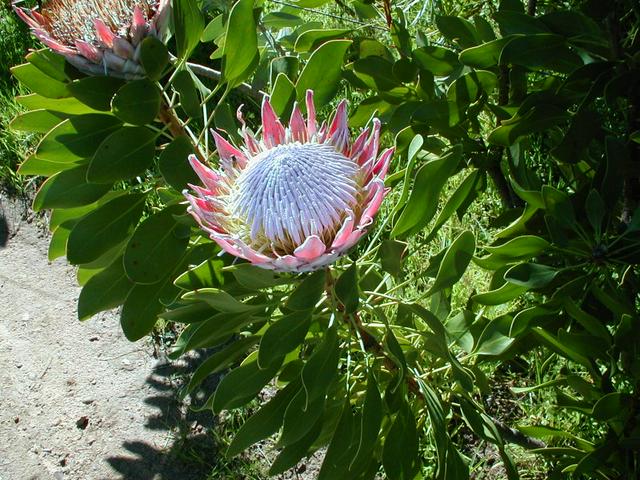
x,y
77,400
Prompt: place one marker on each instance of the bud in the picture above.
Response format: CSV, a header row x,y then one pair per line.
x,y
99,37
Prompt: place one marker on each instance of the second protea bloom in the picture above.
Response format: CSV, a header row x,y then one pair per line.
x,y
297,198
99,37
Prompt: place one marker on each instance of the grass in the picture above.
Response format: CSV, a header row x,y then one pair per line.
x,y
15,40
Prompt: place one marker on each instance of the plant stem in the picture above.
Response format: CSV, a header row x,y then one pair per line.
x,y
168,116
244,88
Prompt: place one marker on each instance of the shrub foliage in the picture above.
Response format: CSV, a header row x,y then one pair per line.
x,y
382,357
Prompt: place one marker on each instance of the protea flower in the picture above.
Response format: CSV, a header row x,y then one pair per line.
x,y
99,37
296,199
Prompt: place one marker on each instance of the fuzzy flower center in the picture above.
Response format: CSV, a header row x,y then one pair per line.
x,y
292,191
71,20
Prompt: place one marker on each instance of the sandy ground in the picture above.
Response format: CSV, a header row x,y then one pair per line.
x,y
77,400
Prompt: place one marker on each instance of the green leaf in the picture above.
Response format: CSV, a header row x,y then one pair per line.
x,y
156,247
486,55
154,57
40,121
612,405
241,42
484,28
458,30
264,422
69,189
253,277
504,294
392,253
190,313
300,418
278,20
512,22
38,166
541,51
515,250
311,39
287,64
96,92
137,102
105,290
405,70
493,340
283,95
397,355
347,289
455,262
184,84
590,323
308,293
124,154
220,300
70,105
437,60
283,336
342,446
530,275
50,63
207,274
188,26
400,454
423,201
455,201
212,330
321,368
292,454
323,72
38,82
242,384
214,29
468,89
220,361
141,308
370,426
174,163
76,138
369,47
596,211
459,329
376,73
105,227
540,118
554,344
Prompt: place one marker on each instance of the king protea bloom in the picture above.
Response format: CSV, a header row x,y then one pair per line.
x,y
99,37
295,199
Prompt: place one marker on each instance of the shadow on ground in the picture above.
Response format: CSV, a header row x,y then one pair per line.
x,y
191,452
4,230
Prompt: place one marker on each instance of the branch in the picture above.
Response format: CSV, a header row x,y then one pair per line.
x,y
216,75
168,116
244,88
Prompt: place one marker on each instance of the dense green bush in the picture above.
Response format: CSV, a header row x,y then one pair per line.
x,y
383,357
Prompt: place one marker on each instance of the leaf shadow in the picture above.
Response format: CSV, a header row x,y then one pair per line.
x,y
192,452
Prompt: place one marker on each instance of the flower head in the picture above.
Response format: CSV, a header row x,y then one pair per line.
x,y
297,198
99,37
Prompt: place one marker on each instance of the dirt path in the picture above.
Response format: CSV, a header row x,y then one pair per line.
x,y
77,400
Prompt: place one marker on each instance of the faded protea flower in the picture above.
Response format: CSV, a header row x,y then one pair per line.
x,y
296,199
99,37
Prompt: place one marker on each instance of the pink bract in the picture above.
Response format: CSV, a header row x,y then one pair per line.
x,y
293,199
99,37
